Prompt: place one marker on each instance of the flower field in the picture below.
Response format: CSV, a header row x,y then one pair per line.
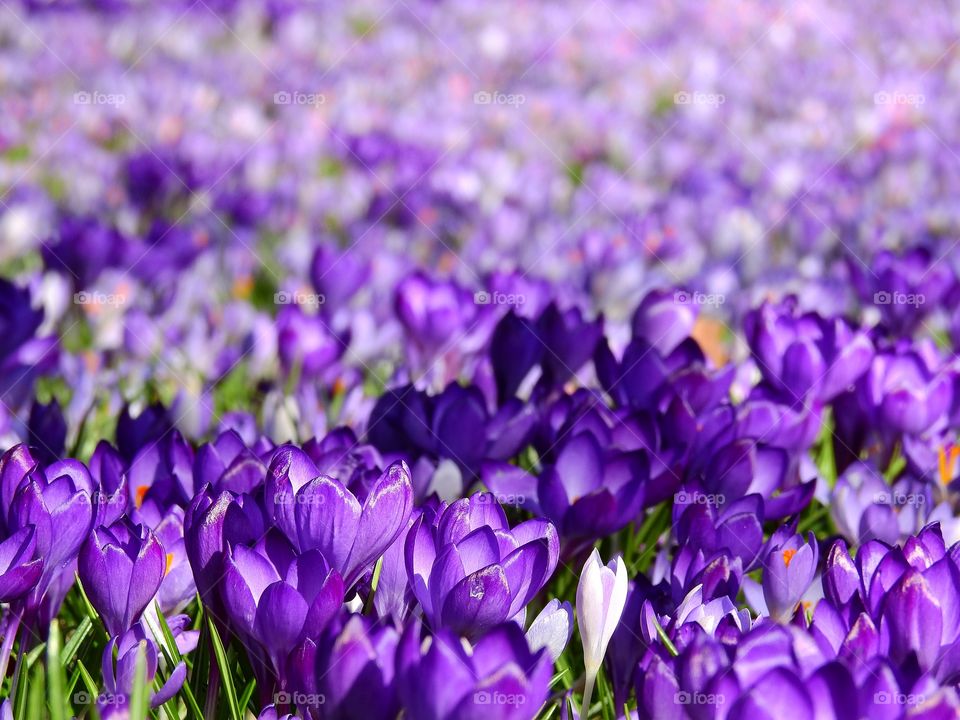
x,y
449,361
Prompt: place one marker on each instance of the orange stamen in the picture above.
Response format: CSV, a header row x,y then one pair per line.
x,y
166,570
242,287
947,463
140,494
788,556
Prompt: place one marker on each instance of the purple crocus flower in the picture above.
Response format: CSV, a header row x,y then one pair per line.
x,y
662,321
276,597
20,569
515,350
788,571
905,391
803,355
433,312
340,455
569,342
440,679
160,475
83,248
154,178
305,344
455,425
862,505
119,675
470,571
22,356
905,287
177,588
213,523
228,464
134,433
56,502
47,430
316,511
588,493
121,568
348,672
338,276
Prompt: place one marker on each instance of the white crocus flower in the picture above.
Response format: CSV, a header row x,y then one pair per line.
x,y
601,596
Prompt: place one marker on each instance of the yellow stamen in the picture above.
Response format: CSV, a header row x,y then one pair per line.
x,y
788,556
242,287
166,570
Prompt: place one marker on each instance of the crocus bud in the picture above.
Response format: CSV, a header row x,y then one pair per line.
x,y
601,597
121,568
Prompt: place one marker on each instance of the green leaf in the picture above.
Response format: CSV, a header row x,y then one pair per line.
x,y
56,683
171,654
169,645
139,696
88,683
72,646
91,612
35,696
247,695
897,463
671,648
226,675
373,584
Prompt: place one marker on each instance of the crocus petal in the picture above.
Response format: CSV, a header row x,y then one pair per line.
x,y
552,628
384,515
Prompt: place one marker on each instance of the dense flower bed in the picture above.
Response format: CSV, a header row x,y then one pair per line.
x,y
454,360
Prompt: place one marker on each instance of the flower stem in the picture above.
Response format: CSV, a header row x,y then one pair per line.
x,y
10,635
587,695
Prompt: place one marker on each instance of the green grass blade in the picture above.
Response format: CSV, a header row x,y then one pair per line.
x,y
91,611
72,646
35,702
139,697
247,696
56,683
91,687
173,657
226,675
